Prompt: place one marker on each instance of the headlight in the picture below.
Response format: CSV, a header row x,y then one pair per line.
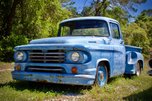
x,y
75,56
20,56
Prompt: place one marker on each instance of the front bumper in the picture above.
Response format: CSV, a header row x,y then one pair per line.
x,y
73,79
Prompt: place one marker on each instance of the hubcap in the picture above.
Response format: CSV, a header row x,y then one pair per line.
x,y
138,70
138,73
101,76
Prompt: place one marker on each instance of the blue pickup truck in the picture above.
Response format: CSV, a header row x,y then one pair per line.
x,y
87,51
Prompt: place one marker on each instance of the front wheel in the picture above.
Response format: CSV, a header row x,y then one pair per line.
x,y
102,75
138,69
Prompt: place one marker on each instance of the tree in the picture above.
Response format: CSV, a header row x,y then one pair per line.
x,y
7,13
97,8
137,36
144,20
39,18
24,20
118,14
128,5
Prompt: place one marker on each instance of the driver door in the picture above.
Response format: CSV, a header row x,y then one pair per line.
x,y
118,49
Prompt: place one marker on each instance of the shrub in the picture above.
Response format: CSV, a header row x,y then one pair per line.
x,y
137,36
7,45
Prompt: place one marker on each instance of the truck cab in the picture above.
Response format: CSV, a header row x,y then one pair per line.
x,y
87,51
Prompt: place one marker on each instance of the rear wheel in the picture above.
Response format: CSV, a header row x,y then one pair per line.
x,y
138,69
102,75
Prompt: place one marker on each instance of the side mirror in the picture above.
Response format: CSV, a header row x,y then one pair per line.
x,y
150,63
122,42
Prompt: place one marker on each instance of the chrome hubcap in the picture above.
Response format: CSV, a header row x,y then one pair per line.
x,y
138,73
101,75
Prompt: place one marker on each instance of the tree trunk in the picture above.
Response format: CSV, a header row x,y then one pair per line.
x,y
97,11
10,18
99,6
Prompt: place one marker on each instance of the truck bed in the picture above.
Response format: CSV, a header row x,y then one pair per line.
x,y
133,48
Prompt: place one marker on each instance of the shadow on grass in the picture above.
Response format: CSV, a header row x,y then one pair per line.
x,y
145,95
46,87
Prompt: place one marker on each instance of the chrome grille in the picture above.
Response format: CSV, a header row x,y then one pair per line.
x,y
47,56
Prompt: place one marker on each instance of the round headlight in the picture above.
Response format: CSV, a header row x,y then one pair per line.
x,y
19,56
75,56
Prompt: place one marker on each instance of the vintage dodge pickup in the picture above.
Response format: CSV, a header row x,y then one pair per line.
x,y
87,51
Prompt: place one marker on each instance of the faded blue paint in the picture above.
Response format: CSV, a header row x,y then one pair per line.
x,y
55,78
121,59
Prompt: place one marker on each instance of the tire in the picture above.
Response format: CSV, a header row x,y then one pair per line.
x,y
101,75
150,63
138,69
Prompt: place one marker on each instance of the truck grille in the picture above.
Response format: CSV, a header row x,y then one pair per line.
x,y
49,69
47,56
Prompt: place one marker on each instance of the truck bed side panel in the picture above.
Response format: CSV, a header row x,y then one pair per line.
x,y
133,55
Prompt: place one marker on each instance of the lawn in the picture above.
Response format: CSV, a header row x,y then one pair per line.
x,y
118,88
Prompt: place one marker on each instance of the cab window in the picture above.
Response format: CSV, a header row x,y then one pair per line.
x,y
115,30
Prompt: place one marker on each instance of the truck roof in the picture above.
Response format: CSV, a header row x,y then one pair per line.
x,y
90,18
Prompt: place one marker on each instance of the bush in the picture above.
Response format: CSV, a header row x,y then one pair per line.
x,y
7,45
137,36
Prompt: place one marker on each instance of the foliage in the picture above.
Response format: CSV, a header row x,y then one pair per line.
x,y
145,21
29,19
7,46
118,14
39,19
137,36
128,5
97,8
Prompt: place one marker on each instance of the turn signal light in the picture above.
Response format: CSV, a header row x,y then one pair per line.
x,y
18,67
74,70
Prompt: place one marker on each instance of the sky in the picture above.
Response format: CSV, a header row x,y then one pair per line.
x,y
79,4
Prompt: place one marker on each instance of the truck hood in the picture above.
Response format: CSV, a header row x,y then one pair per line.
x,y
72,40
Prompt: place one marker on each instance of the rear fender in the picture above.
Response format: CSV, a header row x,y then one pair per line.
x,y
131,60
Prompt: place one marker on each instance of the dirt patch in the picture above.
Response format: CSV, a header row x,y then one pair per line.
x,y
6,66
69,97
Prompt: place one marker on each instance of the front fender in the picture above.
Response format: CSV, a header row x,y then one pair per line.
x,y
107,62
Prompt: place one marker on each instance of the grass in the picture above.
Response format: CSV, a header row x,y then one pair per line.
x,y
118,88
24,91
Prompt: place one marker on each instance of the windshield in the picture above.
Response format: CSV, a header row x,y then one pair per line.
x,y
84,28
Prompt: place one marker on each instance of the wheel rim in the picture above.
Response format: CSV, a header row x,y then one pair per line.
x,y
102,76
